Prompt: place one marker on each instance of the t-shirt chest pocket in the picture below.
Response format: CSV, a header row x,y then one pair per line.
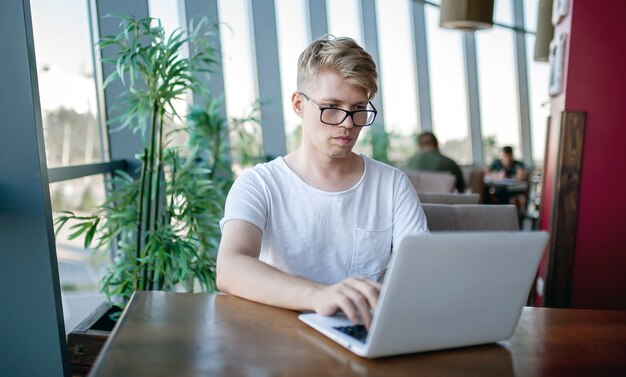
x,y
372,250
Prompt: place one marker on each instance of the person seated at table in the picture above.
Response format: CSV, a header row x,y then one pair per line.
x,y
429,158
506,166
314,230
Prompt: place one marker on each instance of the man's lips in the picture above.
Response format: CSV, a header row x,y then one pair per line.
x,y
343,139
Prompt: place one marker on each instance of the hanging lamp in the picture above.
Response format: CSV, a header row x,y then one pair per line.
x,y
545,30
466,15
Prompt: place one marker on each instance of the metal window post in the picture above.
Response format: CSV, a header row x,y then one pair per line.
x,y
421,65
268,77
33,336
522,83
473,97
318,19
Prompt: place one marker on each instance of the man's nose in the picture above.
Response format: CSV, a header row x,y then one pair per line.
x,y
348,122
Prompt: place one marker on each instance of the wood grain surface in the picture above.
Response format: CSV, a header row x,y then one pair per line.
x,y
179,334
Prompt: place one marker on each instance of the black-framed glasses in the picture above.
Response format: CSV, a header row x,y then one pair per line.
x,y
335,116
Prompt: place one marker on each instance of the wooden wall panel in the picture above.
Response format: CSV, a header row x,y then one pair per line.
x,y
565,211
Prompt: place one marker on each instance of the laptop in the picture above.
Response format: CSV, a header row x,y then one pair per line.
x,y
445,290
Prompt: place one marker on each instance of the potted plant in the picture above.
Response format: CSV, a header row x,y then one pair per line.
x,y
161,222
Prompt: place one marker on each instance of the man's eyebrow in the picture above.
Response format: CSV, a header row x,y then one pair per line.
x,y
335,100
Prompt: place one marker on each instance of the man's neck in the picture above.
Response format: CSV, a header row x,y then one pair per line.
x,y
324,172
429,149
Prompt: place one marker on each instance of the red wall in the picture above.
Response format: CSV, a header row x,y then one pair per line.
x,y
595,82
597,85
557,105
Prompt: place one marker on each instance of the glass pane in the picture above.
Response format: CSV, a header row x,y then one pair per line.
x,y
530,15
397,77
292,40
237,56
503,12
344,19
239,68
67,89
538,78
499,110
170,12
448,89
79,269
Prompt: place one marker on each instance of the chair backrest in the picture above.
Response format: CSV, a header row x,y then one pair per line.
x,y
430,181
448,198
474,177
470,217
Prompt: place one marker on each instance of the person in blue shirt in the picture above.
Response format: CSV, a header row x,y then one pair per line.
x,y
506,166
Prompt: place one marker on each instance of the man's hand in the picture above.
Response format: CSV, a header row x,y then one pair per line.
x,y
355,297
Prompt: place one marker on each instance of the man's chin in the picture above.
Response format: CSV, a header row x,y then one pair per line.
x,y
340,153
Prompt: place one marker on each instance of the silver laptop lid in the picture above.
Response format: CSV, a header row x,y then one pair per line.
x,y
456,289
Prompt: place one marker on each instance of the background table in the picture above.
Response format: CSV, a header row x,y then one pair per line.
x,y
502,190
179,334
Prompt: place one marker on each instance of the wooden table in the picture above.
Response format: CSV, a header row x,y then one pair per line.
x,y
501,190
179,334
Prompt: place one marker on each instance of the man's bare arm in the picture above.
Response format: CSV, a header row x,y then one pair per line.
x,y
239,272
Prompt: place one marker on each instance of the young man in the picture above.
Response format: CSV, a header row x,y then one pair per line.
x,y
314,230
506,166
429,158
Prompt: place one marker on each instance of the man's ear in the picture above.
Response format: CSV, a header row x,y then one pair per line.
x,y
297,103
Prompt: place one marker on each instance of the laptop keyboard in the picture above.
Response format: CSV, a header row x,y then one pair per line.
x,y
358,332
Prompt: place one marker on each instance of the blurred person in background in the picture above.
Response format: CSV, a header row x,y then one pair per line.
x,y
429,158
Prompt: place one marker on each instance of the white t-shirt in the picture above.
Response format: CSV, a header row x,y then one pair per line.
x,y
327,236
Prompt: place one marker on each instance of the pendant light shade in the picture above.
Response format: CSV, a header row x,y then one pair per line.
x,y
545,30
466,15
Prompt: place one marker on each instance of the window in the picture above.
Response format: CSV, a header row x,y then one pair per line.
x,y
397,77
344,19
239,66
67,89
292,40
236,34
503,12
530,15
538,78
497,82
79,269
448,88
170,12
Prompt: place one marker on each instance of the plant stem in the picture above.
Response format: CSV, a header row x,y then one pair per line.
x,y
150,162
139,284
157,199
216,149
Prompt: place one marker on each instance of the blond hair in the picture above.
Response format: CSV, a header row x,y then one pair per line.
x,y
341,55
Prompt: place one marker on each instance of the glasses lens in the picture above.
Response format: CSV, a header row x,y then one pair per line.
x,y
363,118
333,116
